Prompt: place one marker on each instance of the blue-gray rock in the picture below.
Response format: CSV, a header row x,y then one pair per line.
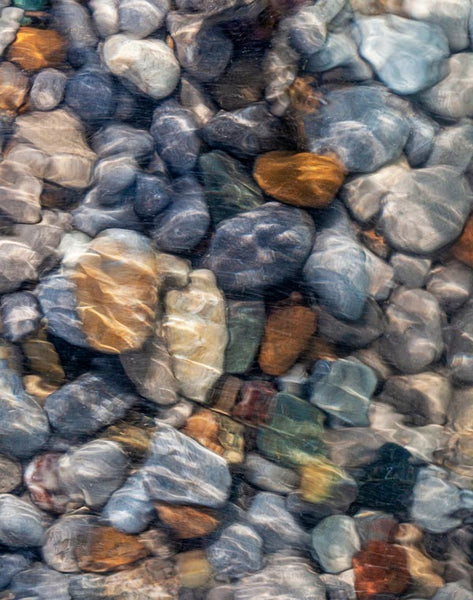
x,y
244,132
181,471
141,18
452,97
10,565
364,125
245,325
88,403
407,56
185,221
175,133
229,189
421,138
92,472
337,588
194,97
451,283
275,524
24,427
410,271
48,88
152,195
21,523
285,577
453,146
308,26
459,341
112,176
453,591
336,269
129,508
119,138
238,551
72,20
202,49
90,94
56,295
451,15
11,474
294,381
40,583
335,541
92,217
20,315
420,210
260,248
381,276
413,334
268,475
343,388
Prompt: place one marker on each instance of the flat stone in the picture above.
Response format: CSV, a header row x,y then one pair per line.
x,y
410,271
335,542
20,193
459,344
268,475
40,582
10,565
130,509
238,551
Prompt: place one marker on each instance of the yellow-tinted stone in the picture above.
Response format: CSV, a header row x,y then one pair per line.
x,y
42,358
38,387
35,49
302,95
117,290
193,569
186,521
318,479
304,179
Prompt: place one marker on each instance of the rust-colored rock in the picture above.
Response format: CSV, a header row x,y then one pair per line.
x,y
187,522
286,335
108,549
35,49
375,242
304,179
462,249
380,569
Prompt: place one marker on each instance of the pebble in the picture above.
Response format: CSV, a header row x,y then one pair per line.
x,y
91,217
458,136
194,97
10,565
13,86
48,88
240,85
10,474
453,591
20,193
175,460
10,19
74,22
44,583
269,476
245,325
238,551
335,542
36,49
153,68
122,139
229,189
410,271
407,56
381,569
343,388
322,482
90,93
259,248
20,315
143,18
130,509
105,16
152,195
187,522
22,524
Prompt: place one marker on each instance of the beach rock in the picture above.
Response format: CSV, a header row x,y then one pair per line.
x,y
141,19
149,64
195,98
453,146
260,248
73,21
245,324
268,475
187,522
40,583
13,84
335,542
122,139
105,16
453,591
10,565
22,524
238,551
130,509
451,283
20,193
90,93
410,271
20,315
91,217
322,482
10,474
380,568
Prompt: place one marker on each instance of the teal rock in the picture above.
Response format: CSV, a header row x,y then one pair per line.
x,y
229,189
293,431
408,56
238,551
245,323
335,541
343,388
30,4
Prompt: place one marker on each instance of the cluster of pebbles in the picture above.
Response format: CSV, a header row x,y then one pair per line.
x,y
236,278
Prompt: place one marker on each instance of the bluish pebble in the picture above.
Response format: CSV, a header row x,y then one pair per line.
x,y
238,551
140,18
119,138
90,94
113,175
40,583
48,88
73,20
130,508
152,195
10,565
21,523
20,315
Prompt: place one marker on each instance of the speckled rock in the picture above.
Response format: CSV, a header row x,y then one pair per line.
x,y
22,524
335,541
148,64
238,551
260,248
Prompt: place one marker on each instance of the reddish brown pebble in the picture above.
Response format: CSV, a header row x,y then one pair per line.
x,y
319,348
286,335
462,249
304,179
35,49
380,569
256,401
187,522
108,549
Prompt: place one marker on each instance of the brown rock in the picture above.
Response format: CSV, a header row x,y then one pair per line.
x,y
242,84
319,348
225,394
380,569
13,87
306,180
462,249
134,439
39,387
43,360
187,522
108,549
303,97
35,49
117,291
286,335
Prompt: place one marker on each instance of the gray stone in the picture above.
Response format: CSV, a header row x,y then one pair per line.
x,y
453,146
105,15
238,551
335,541
141,18
381,276
129,508
21,523
10,475
451,283
40,583
10,19
20,191
459,341
410,271
269,476
48,88
10,565
453,591
20,315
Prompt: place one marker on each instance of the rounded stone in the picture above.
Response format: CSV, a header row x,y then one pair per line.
x,y
335,541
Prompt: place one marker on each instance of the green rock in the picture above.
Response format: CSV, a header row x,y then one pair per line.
x,y
229,189
245,324
293,434
30,4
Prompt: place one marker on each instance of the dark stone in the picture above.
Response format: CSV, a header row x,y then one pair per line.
x,y
152,195
90,94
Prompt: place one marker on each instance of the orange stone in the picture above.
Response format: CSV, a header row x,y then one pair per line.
x,y
108,549
380,569
187,522
303,97
304,179
35,49
462,249
38,387
287,332
203,427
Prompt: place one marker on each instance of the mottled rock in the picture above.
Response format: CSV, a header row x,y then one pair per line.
x,y
324,482
335,542
142,18
187,522
194,327
260,248
256,400
363,125
116,290
20,315
343,388
229,190
238,551
174,461
408,56
380,569
44,485
245,323
269,476
22,524
240,85
413,337
149,64
10,475
35,49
